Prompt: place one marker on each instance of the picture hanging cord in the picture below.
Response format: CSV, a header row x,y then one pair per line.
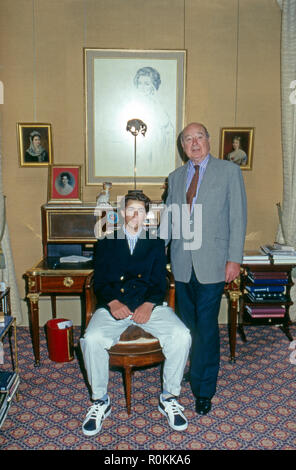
x,y
34,61
236,74
84,22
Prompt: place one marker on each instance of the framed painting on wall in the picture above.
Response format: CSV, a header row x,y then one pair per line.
x,y
64,184
121,85
35,144
236,145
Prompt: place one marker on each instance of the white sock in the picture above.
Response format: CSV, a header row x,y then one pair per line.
x,y
165,395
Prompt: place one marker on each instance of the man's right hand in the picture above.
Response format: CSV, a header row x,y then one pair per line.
x,y
119,310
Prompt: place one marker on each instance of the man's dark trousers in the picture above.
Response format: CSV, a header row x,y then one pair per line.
x,y
198,307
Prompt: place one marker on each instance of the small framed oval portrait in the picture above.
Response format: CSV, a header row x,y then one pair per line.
x,y
64,183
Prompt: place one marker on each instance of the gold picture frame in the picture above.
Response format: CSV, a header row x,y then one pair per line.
x,y
237,145
34,144
64,184
151,88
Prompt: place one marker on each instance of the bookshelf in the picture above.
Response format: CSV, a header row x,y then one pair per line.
x,y
9,379
265,296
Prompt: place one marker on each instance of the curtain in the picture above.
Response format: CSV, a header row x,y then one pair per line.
x,y
287,230
7,272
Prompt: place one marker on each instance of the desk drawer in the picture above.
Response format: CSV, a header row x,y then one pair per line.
x,y
62,283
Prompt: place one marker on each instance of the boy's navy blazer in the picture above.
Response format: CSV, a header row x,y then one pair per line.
x,y
131,279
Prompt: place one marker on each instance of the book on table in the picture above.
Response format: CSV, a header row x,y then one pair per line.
x,y
280,254
257,288
266,297
6,379
261,312
9,382
255,257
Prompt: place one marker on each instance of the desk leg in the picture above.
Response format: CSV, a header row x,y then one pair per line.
x,y
34,323
53,306
234,296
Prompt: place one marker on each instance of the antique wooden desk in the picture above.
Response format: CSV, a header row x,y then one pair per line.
x,y
67,230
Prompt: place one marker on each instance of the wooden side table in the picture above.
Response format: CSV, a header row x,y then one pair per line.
x,y
40,280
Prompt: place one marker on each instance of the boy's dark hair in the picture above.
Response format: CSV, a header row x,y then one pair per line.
x,y
135,195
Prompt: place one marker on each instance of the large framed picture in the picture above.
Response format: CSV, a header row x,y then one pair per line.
x,y
64,184
123,85
236,145
34,144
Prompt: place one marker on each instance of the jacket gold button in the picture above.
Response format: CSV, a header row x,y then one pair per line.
x,y
122,278
139,275
122,290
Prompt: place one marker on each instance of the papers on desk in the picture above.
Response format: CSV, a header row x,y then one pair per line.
x,y
255,257
280,254
75,259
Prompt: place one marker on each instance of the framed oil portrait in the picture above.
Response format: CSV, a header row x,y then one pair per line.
x,y
236,145
64,184
123,85
34,144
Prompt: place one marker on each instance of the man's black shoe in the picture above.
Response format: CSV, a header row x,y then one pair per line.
x,y
203,405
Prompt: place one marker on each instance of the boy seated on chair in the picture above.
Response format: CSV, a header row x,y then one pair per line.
x,y
130,285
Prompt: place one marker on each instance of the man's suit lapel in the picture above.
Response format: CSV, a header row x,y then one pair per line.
x,y
209,179
183,181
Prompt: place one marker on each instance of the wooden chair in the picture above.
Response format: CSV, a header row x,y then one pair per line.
x,y
136,347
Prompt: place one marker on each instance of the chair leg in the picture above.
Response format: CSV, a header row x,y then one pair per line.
x,y
128,387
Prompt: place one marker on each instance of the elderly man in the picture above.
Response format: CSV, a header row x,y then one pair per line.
x,y
205,220
130,284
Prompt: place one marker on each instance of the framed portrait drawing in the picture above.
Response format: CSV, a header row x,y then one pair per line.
x,y
236,145
123,85
64,184
34,144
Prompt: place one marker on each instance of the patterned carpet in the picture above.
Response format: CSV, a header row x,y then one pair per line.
x,y
254,407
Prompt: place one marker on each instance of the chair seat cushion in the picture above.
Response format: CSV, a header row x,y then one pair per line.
x,y
136,333
135,340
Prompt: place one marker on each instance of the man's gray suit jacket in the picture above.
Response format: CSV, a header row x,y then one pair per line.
x,y
218,222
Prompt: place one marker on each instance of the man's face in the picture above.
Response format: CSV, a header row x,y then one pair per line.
x,y
195,143
134,215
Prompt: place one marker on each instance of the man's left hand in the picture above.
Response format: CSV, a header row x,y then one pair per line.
x,y
143,313
232,271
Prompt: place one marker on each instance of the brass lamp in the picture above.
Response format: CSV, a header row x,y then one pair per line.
x,y
136,127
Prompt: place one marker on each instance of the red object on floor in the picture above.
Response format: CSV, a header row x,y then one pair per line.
x,y
59,341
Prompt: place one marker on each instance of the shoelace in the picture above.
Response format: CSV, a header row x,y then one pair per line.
x,y
96,410
173,405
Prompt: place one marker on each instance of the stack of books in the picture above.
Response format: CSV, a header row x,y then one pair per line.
x,y
280,254
262,312
9,382
255,257
266,287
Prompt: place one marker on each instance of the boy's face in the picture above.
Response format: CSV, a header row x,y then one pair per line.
x,y
134,215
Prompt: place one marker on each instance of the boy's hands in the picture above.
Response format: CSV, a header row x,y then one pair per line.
x,y
143,313
119,310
